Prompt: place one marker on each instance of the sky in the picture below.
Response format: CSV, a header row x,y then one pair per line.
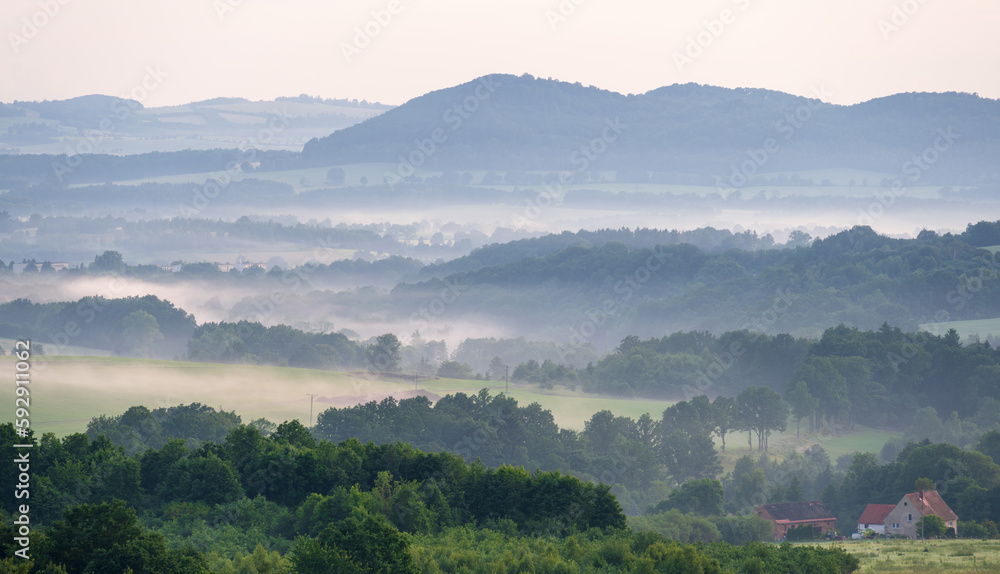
x,y
172,52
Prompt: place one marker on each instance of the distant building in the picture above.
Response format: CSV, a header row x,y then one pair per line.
x,y
873,518
788,515
57,266
903,518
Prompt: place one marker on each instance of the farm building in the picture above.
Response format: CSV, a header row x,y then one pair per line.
x,y
789,515
873,518
903,519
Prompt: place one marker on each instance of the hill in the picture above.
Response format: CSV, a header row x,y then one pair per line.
x,y
526,123
111,125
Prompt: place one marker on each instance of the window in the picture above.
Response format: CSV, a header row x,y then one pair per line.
x,y
909,518
906,504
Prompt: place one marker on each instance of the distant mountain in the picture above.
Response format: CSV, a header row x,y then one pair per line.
x,y
505,122
128,128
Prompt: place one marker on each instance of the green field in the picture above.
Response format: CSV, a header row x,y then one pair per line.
x,y
952,556
69,350
68,391
840,182
980,327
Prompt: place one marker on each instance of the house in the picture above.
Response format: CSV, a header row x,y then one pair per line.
x,y
903,519
789,515
873,518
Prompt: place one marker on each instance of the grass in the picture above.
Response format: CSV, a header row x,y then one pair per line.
x,y
315,178
68,391
951,556
966,329
71,350
305,179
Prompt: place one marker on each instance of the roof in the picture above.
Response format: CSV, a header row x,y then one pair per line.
x,y
875,513
798,511
933,503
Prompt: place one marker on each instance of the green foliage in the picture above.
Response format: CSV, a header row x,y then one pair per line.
x,y
675,525
800,533
370,540
101,323
702,497
783,559
141,333
109,538
384,353
138,428
931,526
455,370
253,343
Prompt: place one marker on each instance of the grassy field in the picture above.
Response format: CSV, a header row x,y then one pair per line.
x,y
68,391
951,556
72,350
980,327
840,182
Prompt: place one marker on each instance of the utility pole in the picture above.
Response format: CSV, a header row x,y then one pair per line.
x,y
311,397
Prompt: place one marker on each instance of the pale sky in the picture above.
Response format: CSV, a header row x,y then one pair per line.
x,y
188,50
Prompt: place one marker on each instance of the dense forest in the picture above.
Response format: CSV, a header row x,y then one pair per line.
x,y
289,503
604,293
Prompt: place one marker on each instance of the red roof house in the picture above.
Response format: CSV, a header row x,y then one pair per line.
x,y
789,515
903,519
873,518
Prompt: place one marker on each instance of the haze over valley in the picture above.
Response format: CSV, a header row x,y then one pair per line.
x,y
478,300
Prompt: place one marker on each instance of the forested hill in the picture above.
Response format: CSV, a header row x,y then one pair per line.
x,y
856,277
705,238
511,122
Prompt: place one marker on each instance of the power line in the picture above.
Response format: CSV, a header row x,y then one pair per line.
x,y
311,397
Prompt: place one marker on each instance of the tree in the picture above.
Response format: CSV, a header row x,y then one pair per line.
x,y
371,540
384,354
931,526
989,444
703,496
924,484
762,411
336,176
689,456
293,433
725,417
108,537
140,334
497,369
455,370
109,261
803,404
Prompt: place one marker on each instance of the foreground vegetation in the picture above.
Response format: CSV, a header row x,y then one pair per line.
x,y
288,503
920,557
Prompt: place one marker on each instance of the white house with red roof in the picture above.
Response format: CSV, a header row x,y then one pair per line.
x,y
873,518
903,519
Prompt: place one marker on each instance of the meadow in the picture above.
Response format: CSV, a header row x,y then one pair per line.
x,y
925,557
68,391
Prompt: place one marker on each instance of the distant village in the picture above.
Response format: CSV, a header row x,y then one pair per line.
x,y
33,266
900,520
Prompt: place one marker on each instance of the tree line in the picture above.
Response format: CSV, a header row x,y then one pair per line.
x,y
289,503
